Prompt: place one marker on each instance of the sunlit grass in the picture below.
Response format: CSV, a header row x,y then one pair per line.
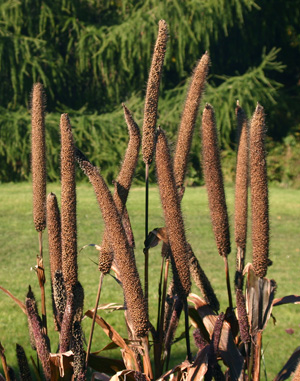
x,y
19,247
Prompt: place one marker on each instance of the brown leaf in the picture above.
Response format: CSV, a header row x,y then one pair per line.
x,y
289,367
227,348
155,236
129,375
127,353
61,364
293,299
105,364
199,368
259,300
16,300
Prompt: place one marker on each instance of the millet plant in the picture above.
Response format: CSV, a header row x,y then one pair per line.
x,y
228,343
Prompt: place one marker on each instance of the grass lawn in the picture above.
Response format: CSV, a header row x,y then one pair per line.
x,y
19,247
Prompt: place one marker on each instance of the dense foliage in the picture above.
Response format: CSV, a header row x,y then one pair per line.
x,y
91,55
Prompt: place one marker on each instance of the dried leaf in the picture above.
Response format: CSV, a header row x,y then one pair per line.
x,y
129,375
127,353
289,367
100,376
227,348
259,300
178,368
293,299
155,236
105,364
199,368
61,364
16,300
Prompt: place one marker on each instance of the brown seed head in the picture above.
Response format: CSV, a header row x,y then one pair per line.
x,y
259,193
38,157
122,187
41,341
77,348
67,323
242,316
173,216
241,181
188,119
214,181
202,281
151,102
123,254
68,204
59,297
23,364
54,234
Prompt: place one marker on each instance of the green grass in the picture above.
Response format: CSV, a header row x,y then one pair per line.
x,y
19,247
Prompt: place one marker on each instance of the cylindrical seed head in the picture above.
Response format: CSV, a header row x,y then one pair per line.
x,y
173,216
54,234
38,157
41,341
59,297
259,193
242,316
122,187
151,102
214,181
23,364
123,254
68,205
188,119
77,348
241,180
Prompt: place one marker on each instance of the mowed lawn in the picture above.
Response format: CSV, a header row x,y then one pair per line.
x,y
19,247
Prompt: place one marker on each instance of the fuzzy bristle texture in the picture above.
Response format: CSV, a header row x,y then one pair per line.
x,y
259,193
59,295
23,364
173,217
123,254
38,157
41,341
202,281
200,342
214,181
169,304
122,187
151,102
242,316
68,205
54,234
78,350
67,323
188,119
241,180
169,337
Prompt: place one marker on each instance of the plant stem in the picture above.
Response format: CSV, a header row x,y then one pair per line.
x,y
228,283
94,319
257,356
146,251
159,294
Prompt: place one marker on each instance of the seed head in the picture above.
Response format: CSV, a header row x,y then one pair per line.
x,y
241,181
54,234
214,181
242,316
59,297
68,204
38,157
259,193
77,348
188,119
23,364
123,254
151,102
173,216
41,341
